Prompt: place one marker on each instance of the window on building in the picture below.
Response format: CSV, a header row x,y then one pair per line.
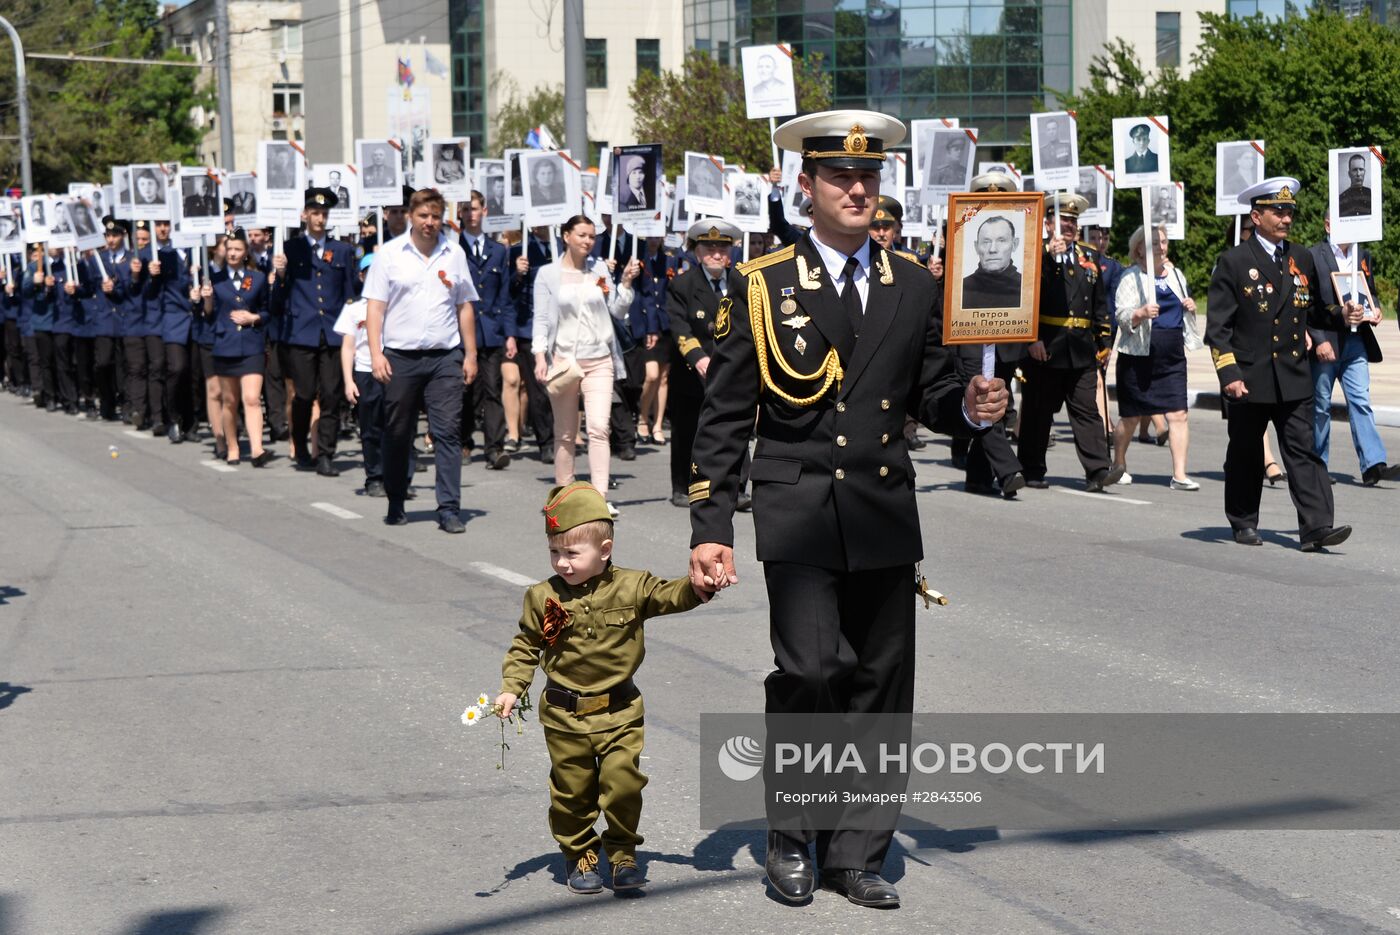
x,y
1168,40
595,63
649,56
286,100
287,36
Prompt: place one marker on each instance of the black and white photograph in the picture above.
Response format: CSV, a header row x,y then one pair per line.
x,y
281,176
1354,194
1006,169
636,181
894,174
1095,188
11,236
921,144
381,173
200,205
704,184
87,224
1088,184
148,193
1350,284
90,193
769,90
951,157
911,199
121,187
337,177
551,187
239,189
447,167
1055,150
1141,151
588,185
1169,208
993,263
491,179
605,180
792,192
1238,165
515,185
680,215
750,202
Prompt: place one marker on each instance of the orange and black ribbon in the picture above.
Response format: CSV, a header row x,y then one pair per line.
x,y
556,618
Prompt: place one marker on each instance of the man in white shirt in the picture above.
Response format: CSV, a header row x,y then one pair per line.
x,y
422,341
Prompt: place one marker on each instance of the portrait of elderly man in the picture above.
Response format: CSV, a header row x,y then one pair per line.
x,y
1355,200
996,283
1055,153
1142,158
767,83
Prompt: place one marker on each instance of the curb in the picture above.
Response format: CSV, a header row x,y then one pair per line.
x,y
1210,399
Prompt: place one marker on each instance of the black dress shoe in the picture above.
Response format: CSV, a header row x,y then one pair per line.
x,y
305,462
263,459
451,522
744,503
681,499
396,515
1379,472
915,443
547,455
627,453
1012,483
979,487
789,868
1248,536
496,459
51,406
862,887
325,468
1038,483
1336,535
374,488
175,435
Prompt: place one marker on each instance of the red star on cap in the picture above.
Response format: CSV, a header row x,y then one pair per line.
x,y
551,521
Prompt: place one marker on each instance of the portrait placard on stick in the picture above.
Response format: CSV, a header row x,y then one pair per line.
x,y
680,215
381,173
792,191
199,202
121,186
491,176
36,216
61,233
992,283
240,190
447,167
1141,151
340,179
769,89
1055,150
636,182
750,202
915,217
1238,165
921,143
951,156
704,184
148,193
1354,193
551,187
87,223
281,176
1092,186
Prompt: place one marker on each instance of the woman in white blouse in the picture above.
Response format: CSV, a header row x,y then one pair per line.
x,y
576,349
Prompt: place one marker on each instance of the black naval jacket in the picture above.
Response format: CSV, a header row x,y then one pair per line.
x,y
692,305
1257,320
1074,319
833,485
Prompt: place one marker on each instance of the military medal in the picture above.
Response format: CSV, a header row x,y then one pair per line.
x,y
1254,274
1269,288
796,321
788,305
700,314
800,344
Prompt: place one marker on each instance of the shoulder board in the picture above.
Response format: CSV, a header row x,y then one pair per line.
x,y
768,259
906,255
1085,244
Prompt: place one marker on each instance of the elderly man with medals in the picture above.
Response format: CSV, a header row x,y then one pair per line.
x,y
1264,295
831,340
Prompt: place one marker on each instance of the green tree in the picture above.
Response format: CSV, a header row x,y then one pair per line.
x,y
86,117
519,114
1303,84
701,108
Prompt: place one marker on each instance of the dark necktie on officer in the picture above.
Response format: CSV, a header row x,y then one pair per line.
x,y
714,284
850,298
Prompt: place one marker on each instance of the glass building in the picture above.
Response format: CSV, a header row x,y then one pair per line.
x,y
986,62
467,26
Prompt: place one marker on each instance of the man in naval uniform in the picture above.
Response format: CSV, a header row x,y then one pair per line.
x,y
1264,295
831,340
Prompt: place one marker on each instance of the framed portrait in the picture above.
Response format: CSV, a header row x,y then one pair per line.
x,y
1168,208
1238,165
952,153
1354,194
1349,284
635,172
1055,150
447,161
921,142
704,184
1141,151
148,193
201,211
992,283
281,176
769,90
551,187
381,173
750,203
121,188
239,189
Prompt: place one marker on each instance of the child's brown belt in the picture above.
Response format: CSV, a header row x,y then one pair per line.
x,y
615,699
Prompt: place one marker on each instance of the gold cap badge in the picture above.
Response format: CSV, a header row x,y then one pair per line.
x,y
855,142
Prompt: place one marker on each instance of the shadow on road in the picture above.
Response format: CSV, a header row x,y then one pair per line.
x,y
8,694
172,922
7,592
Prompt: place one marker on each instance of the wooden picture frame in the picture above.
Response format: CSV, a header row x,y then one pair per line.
x,y
1342,287
983,303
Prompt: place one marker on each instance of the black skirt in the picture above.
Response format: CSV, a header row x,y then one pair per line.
x,y
1155,384
240,366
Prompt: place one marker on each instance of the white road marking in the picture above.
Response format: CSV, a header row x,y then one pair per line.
x,y
334,510
220,467
135,434
505,574
1108,498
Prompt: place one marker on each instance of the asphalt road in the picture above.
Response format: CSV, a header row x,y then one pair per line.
x,y
229,700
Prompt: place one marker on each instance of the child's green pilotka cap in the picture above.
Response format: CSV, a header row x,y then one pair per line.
x,y
573,505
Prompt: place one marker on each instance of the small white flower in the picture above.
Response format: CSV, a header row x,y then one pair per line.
x,y
482,701
471,715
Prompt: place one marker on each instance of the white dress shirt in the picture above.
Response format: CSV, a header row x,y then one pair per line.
x,y
835,262
421,293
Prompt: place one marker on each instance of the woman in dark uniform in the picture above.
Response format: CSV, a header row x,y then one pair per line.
x,y
240,307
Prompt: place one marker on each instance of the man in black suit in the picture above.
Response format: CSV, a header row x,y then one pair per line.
x,y
1141,159
342,194
1064,364
1355,200
1264,295
838,345
201,202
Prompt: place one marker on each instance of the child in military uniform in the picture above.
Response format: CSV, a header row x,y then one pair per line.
x,y
583,626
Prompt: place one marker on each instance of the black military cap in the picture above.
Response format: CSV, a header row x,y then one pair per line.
x,y
322,198
887,211
143,225
228,206
111,225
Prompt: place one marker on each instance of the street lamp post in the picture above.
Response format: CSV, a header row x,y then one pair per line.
x,y
26,172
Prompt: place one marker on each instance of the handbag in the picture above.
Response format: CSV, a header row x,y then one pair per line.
x,y
564,374
1193,333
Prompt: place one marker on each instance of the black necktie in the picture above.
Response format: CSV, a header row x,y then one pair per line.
x,y
850,298
714,284
1279,252
476,249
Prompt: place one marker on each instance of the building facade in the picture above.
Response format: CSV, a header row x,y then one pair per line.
x,y
268,93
